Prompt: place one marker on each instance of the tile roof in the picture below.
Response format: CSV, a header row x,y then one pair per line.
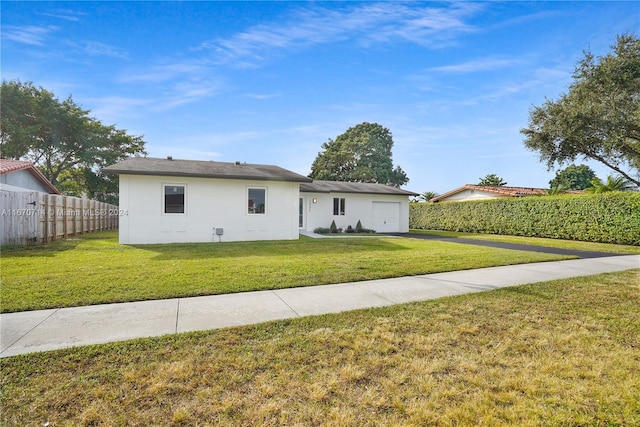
x,y
352,187
10,165
501,190
202,169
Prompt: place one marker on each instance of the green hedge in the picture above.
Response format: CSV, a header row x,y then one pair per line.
x,y
606,218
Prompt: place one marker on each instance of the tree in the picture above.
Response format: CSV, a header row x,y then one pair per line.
x,y
599,117
67,145
361,154
617,183
492,180
573,178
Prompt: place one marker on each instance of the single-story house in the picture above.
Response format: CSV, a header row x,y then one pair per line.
x,y
168,200
18,175
483,192
380,207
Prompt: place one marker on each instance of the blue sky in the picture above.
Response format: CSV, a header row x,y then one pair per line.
x,y
270,82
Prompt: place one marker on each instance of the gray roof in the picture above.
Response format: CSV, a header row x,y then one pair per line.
x,y
202,169
352,187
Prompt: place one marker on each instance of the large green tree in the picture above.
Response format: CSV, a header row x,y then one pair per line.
x,y
598,118
62,140
361,154
573,178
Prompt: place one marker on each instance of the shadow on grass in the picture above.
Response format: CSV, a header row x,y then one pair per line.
x,y
50,249
180,251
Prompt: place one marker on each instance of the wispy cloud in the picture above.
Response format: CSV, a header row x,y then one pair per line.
x,y
161,73
186,92
482,64
366,24
114,108
262,96
29,34
94,48
65,14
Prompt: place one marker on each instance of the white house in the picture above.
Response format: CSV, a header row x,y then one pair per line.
x,y
167,201
484,192
382,208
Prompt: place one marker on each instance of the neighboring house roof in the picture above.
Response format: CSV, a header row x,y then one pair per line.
x,y
202,169
8,166
352,187
499,190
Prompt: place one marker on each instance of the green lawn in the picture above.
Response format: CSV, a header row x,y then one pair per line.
x,y
562,353
94,268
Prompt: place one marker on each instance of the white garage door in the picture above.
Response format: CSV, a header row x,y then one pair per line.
x,y
386,217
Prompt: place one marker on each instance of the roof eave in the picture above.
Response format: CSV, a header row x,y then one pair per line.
x,y
199,175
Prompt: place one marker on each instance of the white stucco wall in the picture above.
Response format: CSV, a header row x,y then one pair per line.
x,y
358,207
209,204
466,195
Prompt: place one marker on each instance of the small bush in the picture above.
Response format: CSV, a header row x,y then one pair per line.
x,y
333,227
349,230
322,230
359,227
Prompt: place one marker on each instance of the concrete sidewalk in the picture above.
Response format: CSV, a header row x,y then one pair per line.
x,y
42,330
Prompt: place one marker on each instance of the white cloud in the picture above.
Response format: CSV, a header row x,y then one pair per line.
x,y
482,64
261,96
367,24
65,14
162,72
29,34
114,108
94,48
186,92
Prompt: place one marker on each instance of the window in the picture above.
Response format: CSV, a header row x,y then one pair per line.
x,y
257,200
338,206
174,199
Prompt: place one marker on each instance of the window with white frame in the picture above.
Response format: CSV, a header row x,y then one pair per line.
x,y
257,201
174,199
338,206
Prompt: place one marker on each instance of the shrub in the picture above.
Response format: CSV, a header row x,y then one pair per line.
x,y
359,227
349,230
333,227
605,218
322,230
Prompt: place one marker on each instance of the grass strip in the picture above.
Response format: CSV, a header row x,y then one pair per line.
x,y
95,269
556,353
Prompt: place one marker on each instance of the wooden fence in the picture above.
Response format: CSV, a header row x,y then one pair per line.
x,y
30,217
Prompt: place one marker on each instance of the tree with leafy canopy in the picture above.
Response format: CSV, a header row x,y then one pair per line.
x,y
573,178
361,154
599,117
67,145
492,180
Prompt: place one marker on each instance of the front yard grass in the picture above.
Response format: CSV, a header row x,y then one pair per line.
x,y
95,269
557,353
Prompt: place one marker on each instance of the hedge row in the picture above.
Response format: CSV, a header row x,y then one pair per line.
x,y
606,218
